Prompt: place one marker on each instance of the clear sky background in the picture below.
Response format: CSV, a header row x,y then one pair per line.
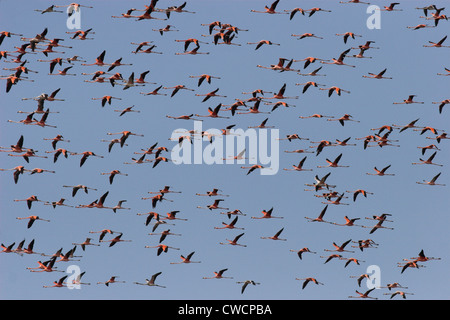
x,y
419,213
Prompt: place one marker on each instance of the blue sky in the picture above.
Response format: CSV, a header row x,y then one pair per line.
x,y
419,212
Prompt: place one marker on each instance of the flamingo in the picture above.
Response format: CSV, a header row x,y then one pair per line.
x,y
298,167
377,76
178,9
167,28
432,182
151,282
29,200
442,104
334,163
58,284
49,9
162,248
334,89
271,9
260,43
219,275
428,161
32,219
422,257
301,251
147,14
85,156
305,35
230,225
391,7
247,282
420,26
186,259
214,206
111,280
361,278
320,217
275,67
233,212
309,84
178,88
330,257
164,234
294,11
99,61
234,241
58,203
126,15
350,260
209,95
106,99
381,172
429,147
104,232
411,264
17,172
378,226
115,240
308,280
365,244
359,191
394,285
348,222
445,74
276,236
8,249
437,44
340,61
79,187
364,295
314,10
340,248
55,140
58,152
400,293
346,35
267,214
86,242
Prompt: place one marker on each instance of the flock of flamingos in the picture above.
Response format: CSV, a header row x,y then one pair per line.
x,y
18,52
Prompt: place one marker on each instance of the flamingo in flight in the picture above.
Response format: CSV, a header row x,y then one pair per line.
x,y
186,259
364,295
151,282
111,280
162,248
167,28
246,283
298,167
271,9
347,35
340,248
377,76
399,293
115,240
381,172
437,44
308,280
333,89
219,275
276,236
340,61
31,219
234,241
267,214
260,43
428,161
320,217
432,182
58,284
212,193
301,251
104,232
